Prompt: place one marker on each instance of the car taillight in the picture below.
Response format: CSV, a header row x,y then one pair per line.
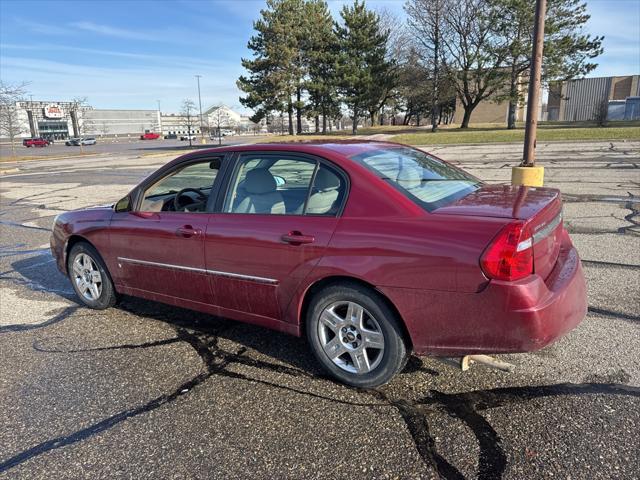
x,y
510,254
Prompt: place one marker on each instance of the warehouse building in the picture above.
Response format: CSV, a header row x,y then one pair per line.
x,y
581,100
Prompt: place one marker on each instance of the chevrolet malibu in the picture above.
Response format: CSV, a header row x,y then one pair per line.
x,y
371,250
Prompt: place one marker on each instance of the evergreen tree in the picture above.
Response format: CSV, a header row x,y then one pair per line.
x,y
276,71
362,64
320,49
567,50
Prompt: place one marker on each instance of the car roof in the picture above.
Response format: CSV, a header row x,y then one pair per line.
x,y
345,148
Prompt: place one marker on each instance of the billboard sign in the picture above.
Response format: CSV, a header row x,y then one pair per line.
x,y
53,111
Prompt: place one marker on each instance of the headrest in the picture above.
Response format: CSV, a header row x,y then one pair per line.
x,y
326,180
259,180
410,176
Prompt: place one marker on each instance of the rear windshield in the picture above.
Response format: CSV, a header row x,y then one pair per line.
x,y
429,182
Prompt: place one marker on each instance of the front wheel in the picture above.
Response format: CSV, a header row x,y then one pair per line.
x,y
89,277
355,335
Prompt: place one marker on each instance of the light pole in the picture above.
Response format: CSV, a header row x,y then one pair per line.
x,y
159,118
527,173
200,105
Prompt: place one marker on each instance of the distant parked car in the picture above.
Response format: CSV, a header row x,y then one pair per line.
x,y
149,136
171,136
76,142
187,137
223,133
35,142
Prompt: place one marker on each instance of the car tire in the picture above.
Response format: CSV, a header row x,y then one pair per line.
x,y
90,278
355,335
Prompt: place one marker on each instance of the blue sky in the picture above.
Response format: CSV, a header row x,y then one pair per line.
x,y
129,54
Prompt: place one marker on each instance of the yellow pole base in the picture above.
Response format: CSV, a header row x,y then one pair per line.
x,y
527,176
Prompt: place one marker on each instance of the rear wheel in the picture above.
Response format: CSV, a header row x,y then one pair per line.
x,y
355,336
90,278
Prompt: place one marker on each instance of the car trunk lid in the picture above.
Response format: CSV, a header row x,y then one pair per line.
x,y
540,208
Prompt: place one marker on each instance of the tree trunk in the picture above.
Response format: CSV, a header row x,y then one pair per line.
x,y
317,119
324,120
354,125
513,98
290,114
298,111
467,115
374,117
436,60
511,120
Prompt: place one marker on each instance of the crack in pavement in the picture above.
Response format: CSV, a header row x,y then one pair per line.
x,y
465,406
600,263
611,313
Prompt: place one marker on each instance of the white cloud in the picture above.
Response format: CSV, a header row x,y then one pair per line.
x,y
114,31
124,87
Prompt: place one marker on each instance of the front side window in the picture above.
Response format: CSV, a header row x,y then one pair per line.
x,y
185,189
429,182
284,186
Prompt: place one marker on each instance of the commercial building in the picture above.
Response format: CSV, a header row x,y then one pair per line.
x,y
106,122
172,124
225,118
58,120
570,101
580,100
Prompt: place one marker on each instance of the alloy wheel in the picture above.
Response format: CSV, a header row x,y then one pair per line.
x,y
87,277
351,337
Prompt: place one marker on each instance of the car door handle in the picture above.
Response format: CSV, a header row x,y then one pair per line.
x,y
188,231
297,238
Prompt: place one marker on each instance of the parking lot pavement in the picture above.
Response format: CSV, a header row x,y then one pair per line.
x,y
121,146
146,390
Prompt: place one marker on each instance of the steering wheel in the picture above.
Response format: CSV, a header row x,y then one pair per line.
x,y
179,206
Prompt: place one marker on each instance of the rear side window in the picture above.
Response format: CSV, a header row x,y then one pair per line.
x,y
428,181
286,185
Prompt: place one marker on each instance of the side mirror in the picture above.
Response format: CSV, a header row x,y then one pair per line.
x,y
279,180
123,205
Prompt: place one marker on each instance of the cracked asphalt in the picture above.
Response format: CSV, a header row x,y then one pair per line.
x,y
146,390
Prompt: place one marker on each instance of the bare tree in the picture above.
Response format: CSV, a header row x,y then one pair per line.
x,y
217,122
188,113
475,57
426,18
81,124
104,129
10,125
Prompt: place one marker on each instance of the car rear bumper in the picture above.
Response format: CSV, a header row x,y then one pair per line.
x,y
505,317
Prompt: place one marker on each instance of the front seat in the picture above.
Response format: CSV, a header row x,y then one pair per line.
x,y
325,193
261,195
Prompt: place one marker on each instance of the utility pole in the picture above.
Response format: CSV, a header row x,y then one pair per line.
x,y
533,99
200,104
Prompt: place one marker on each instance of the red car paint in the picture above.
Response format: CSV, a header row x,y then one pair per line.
x,y
427,264
35,142
149,136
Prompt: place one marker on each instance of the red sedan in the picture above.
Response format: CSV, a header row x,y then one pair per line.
x,y
149,136
372,250
35,142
